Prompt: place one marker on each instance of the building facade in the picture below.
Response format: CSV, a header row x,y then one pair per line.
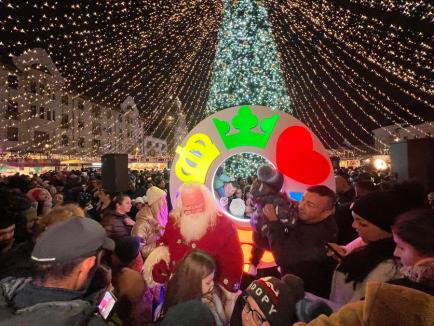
x,y
39,116
387,135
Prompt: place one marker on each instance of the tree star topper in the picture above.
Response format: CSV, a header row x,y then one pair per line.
x,y
245,122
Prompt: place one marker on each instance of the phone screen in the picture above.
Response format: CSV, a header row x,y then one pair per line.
x,y
106,304
333,250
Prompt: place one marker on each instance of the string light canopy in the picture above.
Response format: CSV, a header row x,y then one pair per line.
x,y
348,66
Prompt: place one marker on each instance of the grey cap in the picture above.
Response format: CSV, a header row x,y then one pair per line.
x,y
75,238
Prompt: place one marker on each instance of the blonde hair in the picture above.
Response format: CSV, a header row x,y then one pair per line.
x,y
59,214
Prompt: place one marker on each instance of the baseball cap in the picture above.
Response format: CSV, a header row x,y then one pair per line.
x,y
75,238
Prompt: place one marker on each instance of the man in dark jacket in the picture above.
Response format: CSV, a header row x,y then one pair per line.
x,y
301,250
66,257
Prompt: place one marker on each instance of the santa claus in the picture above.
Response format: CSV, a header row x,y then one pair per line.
x,y
196,222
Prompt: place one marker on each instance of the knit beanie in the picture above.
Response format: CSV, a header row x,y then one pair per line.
x,y
153,194
127,249
380,208
270,176
277,298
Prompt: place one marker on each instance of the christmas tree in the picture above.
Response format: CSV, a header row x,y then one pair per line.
x,y
243,165
247,65
246,71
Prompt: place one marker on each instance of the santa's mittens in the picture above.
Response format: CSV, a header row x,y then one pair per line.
x,y
161,272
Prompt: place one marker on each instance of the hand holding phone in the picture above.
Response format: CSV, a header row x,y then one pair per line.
x,y
106,305
335,250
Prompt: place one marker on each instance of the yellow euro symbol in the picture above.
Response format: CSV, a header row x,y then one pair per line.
x,y
195,158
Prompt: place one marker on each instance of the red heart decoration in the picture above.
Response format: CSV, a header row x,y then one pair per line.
x,y
296,158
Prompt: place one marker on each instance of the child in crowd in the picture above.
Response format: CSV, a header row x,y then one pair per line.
x,y
134,306
268,301
405,301
193,278
237,205
413,233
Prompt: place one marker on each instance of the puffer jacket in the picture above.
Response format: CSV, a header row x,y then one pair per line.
x,y
115,226
22,303
385,305
148,228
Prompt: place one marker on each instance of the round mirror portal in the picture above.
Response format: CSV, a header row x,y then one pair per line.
x,y
232,184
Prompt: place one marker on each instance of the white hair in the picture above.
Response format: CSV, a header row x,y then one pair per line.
x,y
194,226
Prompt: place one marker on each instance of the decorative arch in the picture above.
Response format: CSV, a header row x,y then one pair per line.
x,y
279,137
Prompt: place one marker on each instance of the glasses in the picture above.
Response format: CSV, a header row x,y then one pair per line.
x,y
257,318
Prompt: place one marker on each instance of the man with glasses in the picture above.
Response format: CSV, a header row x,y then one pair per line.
x,y
65,258
301,250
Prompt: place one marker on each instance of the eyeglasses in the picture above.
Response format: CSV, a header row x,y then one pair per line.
x,y
257,318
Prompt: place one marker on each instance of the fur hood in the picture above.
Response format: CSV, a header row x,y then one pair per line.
x,y
422,272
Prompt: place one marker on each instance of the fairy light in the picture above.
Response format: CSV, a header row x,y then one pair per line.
x,y
346,65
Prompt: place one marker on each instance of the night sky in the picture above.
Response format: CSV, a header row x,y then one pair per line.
x,y
155,50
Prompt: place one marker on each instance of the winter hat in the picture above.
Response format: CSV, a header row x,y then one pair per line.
x,y
71,239
127,249
307,310
380,208
34,194
270,176
139,200
192,312
277,298
153,194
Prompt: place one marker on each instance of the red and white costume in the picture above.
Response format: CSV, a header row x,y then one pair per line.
x,y
219,239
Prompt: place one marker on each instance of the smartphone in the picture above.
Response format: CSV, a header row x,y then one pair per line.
x,y
328,247
107,304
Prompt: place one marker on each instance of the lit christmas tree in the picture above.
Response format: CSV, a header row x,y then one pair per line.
x,y
246,71
243,165
247,66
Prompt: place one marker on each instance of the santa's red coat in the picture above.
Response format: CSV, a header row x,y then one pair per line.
x,y
221,242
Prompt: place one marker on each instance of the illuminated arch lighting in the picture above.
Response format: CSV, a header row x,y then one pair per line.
x,y
277,136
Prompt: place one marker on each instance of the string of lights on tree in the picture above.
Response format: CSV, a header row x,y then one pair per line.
x,y
347,67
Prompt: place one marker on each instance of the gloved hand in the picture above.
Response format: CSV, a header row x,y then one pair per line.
x,y
161,272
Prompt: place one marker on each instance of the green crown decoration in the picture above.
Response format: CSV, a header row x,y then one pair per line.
x,y
245,121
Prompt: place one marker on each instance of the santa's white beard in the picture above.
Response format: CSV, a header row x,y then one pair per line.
x,y
193,227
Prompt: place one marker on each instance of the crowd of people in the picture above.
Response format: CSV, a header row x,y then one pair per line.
x,y
73,254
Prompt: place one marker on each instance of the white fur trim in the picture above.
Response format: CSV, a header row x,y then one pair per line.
x,y
159,253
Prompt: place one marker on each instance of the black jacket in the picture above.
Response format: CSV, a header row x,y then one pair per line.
x,y
22,303
301,251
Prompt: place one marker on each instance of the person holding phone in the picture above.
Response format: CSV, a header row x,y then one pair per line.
x,y
373,216
66,258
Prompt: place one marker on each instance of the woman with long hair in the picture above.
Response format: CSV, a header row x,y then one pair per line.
x,y
413,233
373,216
151,219
115,220
193,278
